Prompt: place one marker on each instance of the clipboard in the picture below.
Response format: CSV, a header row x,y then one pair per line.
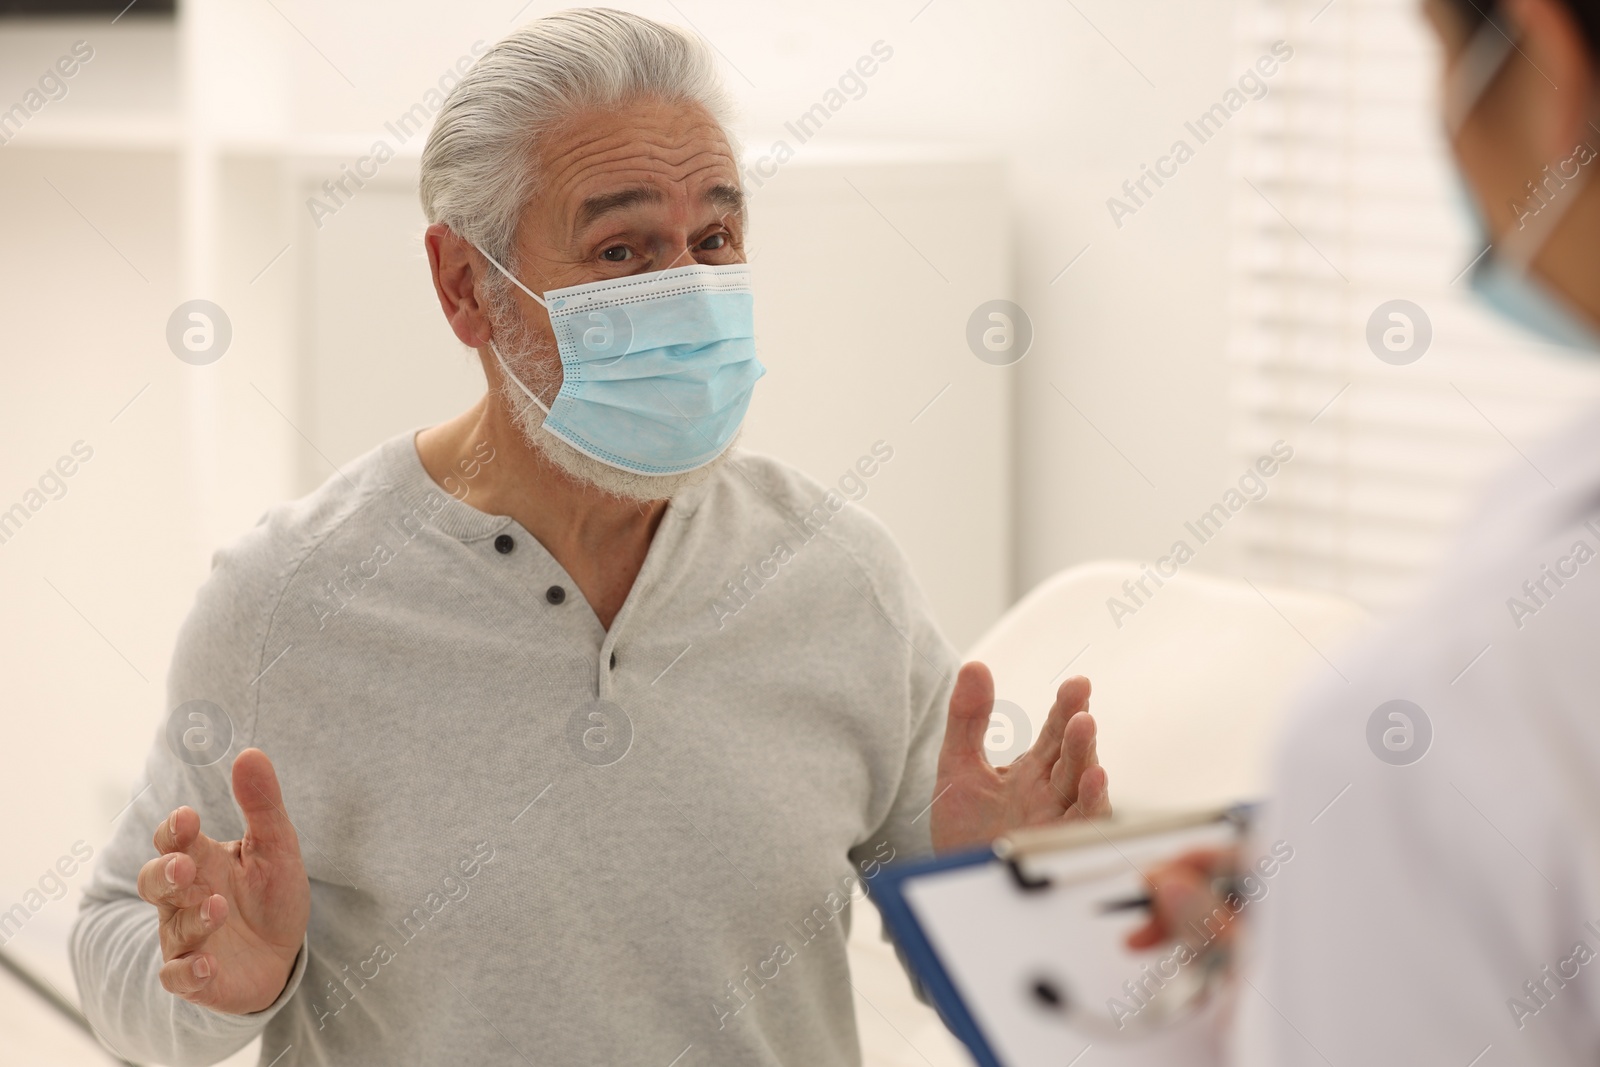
x,y
993,933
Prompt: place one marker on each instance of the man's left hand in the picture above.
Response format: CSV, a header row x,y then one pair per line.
x,y
1059,777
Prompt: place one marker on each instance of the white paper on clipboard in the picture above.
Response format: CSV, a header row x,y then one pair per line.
x,y
997,941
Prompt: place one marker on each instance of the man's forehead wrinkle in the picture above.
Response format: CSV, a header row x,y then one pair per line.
x,y
602,181
628,162
639,177
652,148
672,146
587,127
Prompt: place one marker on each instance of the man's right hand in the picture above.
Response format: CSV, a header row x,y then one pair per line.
x,y
233,913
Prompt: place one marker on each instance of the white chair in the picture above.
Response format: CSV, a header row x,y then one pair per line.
x,y
1188,684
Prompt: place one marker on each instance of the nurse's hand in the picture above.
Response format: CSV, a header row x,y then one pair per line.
x,y
1057,779
1188,901
233,914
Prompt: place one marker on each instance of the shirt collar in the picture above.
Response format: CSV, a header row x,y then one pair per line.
x,y
411,483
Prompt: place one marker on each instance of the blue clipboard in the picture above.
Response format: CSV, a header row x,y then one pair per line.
x,y
900,918
889,892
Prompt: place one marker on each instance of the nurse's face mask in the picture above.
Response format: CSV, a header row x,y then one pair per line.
x,y
657,368
1503,276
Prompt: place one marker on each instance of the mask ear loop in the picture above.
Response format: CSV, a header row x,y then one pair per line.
x,y
536,297
504,366
505,369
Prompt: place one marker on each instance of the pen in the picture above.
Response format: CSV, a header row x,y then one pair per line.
x,y
1143,900
1222,887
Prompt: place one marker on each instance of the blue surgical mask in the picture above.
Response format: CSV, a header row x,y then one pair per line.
x,y
1502,277
1518,296
657,369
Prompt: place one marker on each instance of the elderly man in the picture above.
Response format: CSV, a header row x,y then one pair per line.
x,y
529,797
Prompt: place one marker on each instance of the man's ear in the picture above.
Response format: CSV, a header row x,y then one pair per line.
x,y
1562,81
454,265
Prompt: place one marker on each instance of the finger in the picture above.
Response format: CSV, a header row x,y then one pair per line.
x,y
255,789
1078,754
971,703
188,976
180,832
1071,698
1094,794
188,928
1080,741
1209,861
1151,934
1154,930
1177,896
1184,902
168,882
177,830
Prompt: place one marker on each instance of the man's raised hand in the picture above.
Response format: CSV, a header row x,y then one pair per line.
x,y
233,914
1058,777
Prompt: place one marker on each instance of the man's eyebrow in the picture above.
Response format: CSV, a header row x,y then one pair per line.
x,y
727,197
596,207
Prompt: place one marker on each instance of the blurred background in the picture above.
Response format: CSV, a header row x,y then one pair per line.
x,y
1170,314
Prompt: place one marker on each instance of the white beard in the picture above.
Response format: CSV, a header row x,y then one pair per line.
x,y
537,363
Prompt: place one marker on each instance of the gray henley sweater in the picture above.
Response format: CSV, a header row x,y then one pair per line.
x,y
531,840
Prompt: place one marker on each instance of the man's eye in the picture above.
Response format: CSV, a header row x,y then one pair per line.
x,y
714,242
616,254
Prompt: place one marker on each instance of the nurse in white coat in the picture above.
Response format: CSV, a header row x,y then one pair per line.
x,y
1443,901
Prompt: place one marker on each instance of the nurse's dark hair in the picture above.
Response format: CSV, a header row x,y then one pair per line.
x,y
1476,12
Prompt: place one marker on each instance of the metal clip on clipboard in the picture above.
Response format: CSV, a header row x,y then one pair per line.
x,y
1015,848
1174,1000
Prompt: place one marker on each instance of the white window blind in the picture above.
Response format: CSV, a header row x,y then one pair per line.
x,y
1343,201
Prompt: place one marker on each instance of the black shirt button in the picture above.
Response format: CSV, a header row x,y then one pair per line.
x,y
555,594
613,661
504,544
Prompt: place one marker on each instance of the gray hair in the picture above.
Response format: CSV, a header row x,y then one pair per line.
x,y
477,171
